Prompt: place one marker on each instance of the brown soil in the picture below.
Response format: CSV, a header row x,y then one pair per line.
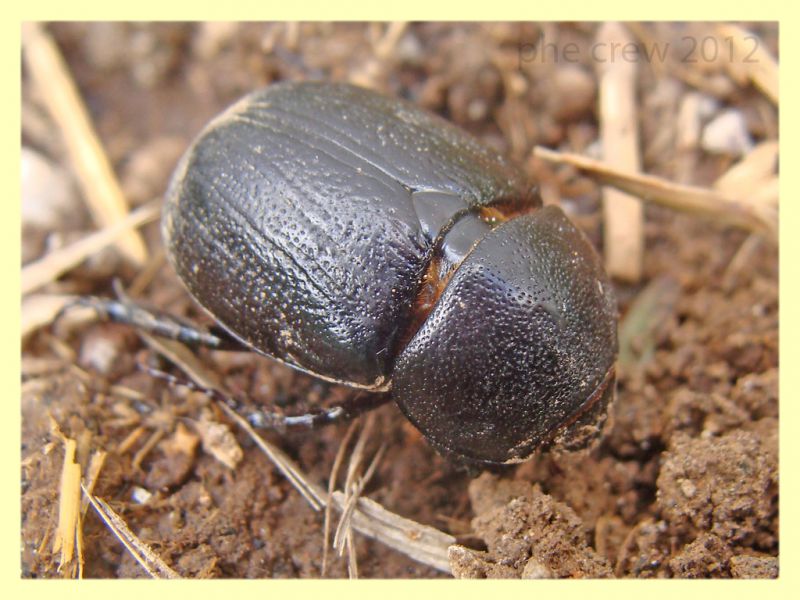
x,y
683,485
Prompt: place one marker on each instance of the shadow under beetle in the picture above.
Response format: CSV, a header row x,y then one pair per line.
x,y
366,242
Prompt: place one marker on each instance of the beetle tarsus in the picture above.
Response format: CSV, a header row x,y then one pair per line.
x,y
349,409
157,323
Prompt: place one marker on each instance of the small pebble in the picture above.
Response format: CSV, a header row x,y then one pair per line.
x,y
727,134
140,495
536,570
102,349
49,200
409,50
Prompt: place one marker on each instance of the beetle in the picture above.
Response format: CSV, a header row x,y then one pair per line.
x,y
367,242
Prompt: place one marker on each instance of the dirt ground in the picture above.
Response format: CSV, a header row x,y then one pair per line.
x,y
685,483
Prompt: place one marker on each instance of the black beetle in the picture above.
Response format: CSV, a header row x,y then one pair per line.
x,y
367,242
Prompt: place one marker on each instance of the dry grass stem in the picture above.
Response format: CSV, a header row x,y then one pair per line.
x,y
40,367
343,538
130,440
741,260
141,552
696,200
352,494
58,262
68,506
352,559
125,392
337,463
185,359
100,187
374,66
313,493
151,443
358,451
422,543
39,310
92,473
386,45
354,487
753,178
751,60
623,215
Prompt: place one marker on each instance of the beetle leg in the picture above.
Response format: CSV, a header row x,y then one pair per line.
x,y
262,419
342,412
158,323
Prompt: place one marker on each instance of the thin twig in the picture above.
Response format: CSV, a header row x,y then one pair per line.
x,y
130,440
92,473
352,559
92,168
749,177
353,491
68,505
55,264
687,198
151,443
352,494
386,45
623,214
752,58
144,555
313,493
337,463
343,538
39,310
420,542
740,261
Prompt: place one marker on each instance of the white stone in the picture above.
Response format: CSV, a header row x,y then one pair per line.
x,y
727,134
